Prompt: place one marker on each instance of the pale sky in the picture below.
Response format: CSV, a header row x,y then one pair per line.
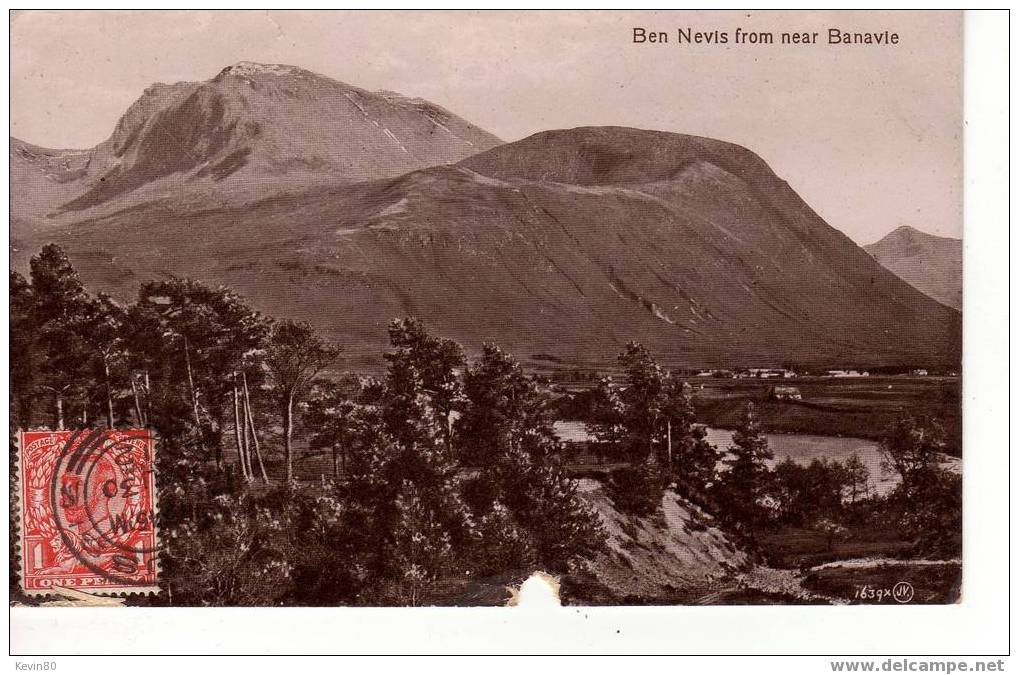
x,y
870,136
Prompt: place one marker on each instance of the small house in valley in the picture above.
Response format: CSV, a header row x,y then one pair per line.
x,y
785,394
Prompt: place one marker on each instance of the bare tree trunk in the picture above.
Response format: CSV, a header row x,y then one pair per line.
x,y
109,394
288,430
449,430
653,456
148,395
60,410
251,424
191,384
246,436
137,403
244,442
217,425
237,433
669,426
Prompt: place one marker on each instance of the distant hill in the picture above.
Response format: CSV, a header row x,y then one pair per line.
x,y
567,243
252,131
929,263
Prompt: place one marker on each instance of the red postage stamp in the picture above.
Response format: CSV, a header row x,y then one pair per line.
x,y
88,510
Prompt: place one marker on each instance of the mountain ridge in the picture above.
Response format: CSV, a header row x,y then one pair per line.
x,y
569,243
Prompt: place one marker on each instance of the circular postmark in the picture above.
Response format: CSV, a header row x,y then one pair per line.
x,y
902,592
102,503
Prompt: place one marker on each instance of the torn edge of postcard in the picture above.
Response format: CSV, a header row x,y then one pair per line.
x,y
87,512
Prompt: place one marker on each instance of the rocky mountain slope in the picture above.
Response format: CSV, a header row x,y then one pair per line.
x,y
931,264
565,244
252,131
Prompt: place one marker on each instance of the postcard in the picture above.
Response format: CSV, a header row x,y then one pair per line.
x,y
401,309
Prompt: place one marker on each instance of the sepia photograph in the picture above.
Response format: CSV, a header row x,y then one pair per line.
x,y
401,309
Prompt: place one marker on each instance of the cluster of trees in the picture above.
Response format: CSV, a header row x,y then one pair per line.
x,y
647,422
833,497
824,490
443,469
450,468
180,359
927,504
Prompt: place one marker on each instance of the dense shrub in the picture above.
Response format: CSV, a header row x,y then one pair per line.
x,y
636,490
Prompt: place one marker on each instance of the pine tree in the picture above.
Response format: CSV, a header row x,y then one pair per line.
x,y
748,478
644,398
911,448
23,352
927,503
60,306
857,478
642,431
329,416
692,460
401,470
103,329
503,407
294,356
606,414
434,363
507,427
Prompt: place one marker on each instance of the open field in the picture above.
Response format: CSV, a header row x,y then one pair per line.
x,y
860,407
794,547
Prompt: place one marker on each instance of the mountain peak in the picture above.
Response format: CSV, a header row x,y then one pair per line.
x,y
906,229
904,235
907,233
928,262
610,155
250,68
253,124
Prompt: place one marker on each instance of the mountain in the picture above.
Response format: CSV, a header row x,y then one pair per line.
x,y
561,246
929,263
41,178
252,131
